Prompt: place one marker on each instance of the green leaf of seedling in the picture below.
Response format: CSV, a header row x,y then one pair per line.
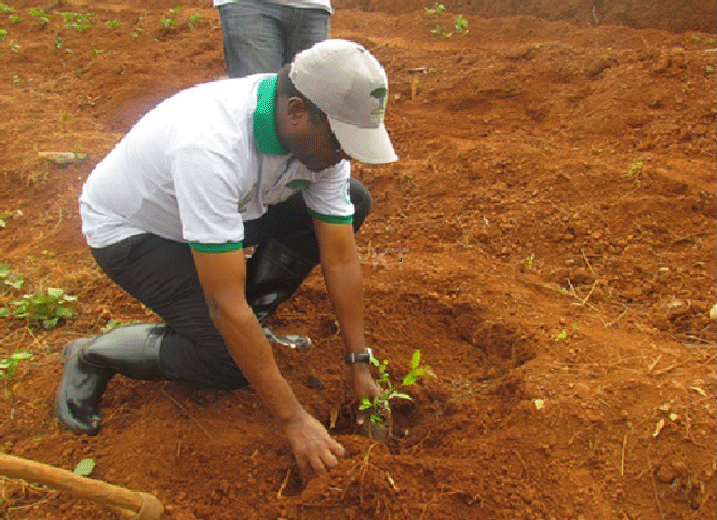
x,y
409,379
65,312
415,359
84,468
21,354
55,292
17,283
50,323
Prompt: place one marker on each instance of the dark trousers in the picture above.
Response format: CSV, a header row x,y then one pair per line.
x,y
161,274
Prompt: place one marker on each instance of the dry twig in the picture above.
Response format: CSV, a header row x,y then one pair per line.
x,y
186,412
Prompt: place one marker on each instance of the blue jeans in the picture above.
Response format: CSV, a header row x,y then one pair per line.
x,y
262,37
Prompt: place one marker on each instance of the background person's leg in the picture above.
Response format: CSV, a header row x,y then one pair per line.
x,y
252,37
305,28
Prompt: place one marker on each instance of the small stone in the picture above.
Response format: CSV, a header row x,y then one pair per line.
x,y
62,158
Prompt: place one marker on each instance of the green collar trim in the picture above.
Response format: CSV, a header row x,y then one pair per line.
x,y
264,127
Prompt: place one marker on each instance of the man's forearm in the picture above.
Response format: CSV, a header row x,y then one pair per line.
x,y
253,355
345,287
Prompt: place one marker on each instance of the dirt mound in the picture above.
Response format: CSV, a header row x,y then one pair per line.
x,y
547,241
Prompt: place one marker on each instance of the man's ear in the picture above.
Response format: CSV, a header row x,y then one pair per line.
x,y
296,110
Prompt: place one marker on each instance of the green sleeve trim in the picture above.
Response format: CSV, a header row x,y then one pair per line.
x,y
216,248
332,219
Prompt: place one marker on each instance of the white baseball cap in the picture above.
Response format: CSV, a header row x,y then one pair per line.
x,y
349,85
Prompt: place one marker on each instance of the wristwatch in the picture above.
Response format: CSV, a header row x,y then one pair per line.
x,y
364,357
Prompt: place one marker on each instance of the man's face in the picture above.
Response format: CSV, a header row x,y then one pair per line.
x,y
312,143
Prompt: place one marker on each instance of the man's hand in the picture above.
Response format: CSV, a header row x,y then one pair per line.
x,y
364,384
313,446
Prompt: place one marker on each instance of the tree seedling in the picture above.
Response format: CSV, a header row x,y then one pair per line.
x,y
380,406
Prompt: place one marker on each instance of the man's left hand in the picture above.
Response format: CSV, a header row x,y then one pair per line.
x,y
364,384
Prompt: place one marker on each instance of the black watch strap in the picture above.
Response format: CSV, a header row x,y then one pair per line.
x,y
364,357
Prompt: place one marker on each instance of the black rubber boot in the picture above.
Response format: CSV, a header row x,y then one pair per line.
x,y
274,273
90,363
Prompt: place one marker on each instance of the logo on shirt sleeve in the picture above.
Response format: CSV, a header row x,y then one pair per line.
x,y
298,184
246,199
347,195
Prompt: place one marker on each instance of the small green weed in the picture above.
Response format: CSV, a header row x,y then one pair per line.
x,y
170,20
3,34
635,169
9,278
381,403
8,366
84,468
96,52
46,310
193,20
437,9
77,21
43,18
635,172
461,25
438,31
116,322
113,24
5,215
6,8
14,18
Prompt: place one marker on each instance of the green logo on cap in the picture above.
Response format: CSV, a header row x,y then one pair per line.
x,y
380,94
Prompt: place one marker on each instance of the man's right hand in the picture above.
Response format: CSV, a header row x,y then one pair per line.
x,y
313,447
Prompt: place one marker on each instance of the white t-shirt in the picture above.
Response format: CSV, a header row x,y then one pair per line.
x,y
303,4
191,170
